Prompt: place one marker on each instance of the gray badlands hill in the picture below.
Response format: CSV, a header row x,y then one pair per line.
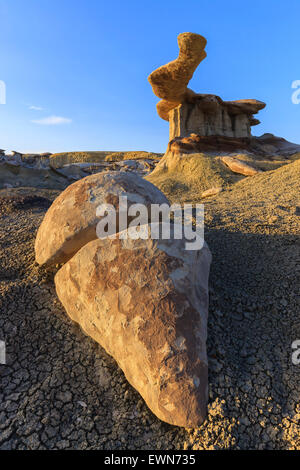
x,y
57,171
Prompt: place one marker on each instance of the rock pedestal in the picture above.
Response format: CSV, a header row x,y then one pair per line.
x,y
189,112
209,115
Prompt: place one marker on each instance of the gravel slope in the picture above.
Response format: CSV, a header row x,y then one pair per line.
x,y
60,389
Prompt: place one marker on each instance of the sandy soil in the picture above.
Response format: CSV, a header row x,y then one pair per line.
x,y
60,390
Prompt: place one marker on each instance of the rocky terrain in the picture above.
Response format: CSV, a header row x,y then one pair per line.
x,y
57,171
60,389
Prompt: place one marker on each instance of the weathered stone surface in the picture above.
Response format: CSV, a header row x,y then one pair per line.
x,y
15,175
188,111
267,144
170,81
71,221
195,143
209,115
145,302
238,166
273,145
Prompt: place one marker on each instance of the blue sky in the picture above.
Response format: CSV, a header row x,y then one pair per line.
x,y
76,70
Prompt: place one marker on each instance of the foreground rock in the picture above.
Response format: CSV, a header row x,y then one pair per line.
x,y
71,221
145,302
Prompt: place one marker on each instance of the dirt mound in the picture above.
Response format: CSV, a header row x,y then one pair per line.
x,y
183,178
185,172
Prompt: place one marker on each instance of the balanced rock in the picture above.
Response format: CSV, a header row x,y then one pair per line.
x,y
189,112
170,81
71,221
145,301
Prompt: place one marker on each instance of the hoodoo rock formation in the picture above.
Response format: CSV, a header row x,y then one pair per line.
x,y
189,112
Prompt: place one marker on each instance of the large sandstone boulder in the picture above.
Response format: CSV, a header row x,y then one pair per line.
x,y
71,221
145,301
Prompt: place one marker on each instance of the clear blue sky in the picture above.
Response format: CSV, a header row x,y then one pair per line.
x,y
83,66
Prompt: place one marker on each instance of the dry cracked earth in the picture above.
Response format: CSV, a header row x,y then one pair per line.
x,y
60,390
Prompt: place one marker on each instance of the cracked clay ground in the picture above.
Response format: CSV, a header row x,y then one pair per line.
x,y
60,390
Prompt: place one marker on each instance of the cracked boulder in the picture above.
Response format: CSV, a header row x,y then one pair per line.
x,y
145,302
71,221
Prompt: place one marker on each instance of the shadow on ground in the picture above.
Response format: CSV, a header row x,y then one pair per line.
x,y
60,390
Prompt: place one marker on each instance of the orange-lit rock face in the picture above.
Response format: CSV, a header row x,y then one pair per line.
x,y
190,112
145,302
266,144
170,81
